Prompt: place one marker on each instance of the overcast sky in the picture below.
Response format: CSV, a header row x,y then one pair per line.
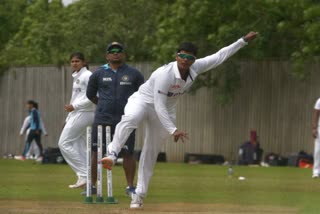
x,y
66,2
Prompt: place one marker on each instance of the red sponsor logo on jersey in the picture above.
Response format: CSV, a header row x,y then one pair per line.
x,y
175,86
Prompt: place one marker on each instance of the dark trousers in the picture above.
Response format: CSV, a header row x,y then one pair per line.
x,y
37,138
128,148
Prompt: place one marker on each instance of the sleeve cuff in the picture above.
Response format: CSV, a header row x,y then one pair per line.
x,y
243,41
75,106
172,131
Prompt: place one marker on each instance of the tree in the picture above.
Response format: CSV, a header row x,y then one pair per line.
x,y
50,32
47,32
11,15
38,40
103,21
289,29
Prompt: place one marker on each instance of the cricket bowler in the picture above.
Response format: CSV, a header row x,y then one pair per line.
x,y
155,104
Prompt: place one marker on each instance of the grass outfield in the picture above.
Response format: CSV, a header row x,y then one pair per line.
x,y
27,187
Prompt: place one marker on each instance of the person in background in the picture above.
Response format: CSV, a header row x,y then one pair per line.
x,y
33,152
250,151
72,142
115,82
35,130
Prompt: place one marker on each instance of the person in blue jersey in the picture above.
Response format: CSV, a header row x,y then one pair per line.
x,y
31,152
109,88
35,128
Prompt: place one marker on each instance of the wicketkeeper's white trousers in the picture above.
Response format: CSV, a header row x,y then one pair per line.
x,y
316,157
72,142
155,135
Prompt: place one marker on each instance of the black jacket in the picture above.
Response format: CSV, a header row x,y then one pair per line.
x,y
113,90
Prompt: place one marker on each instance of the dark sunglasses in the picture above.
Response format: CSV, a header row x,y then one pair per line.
x,y
115,50
186,56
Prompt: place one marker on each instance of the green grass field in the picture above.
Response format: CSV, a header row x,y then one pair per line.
x,y
27,187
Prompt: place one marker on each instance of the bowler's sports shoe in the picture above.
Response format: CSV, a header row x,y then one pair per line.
x,y
108,161
315,176
80,183
130,191
137,202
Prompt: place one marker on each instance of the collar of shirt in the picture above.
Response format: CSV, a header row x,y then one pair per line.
x,y
176,70
107,67
75,74
178,75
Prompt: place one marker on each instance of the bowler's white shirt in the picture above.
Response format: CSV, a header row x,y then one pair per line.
x,y
165,85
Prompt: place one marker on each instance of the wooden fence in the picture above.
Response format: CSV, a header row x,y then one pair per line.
x,y
277,106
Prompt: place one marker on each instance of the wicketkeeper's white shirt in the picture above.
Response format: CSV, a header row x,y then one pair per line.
x,y
165,85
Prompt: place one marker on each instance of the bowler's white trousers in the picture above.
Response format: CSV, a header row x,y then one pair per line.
x,y
136,111
316,157
72,142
